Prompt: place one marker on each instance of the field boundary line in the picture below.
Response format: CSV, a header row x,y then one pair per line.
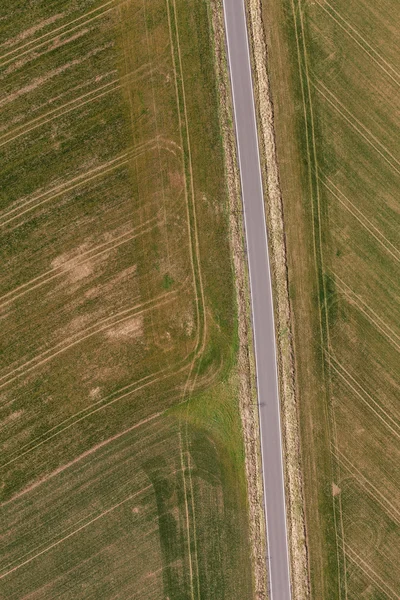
x,y
332,103
324,179
74,262
321,284
183,468
358,43
194,248
101,515
367,570
194,256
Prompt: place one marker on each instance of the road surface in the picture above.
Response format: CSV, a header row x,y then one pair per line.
x,y
261,297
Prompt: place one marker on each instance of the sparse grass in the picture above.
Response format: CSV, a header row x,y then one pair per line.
x,y
335,77
122,468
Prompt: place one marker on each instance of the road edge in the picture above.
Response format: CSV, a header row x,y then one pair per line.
x,y
284,345
246,362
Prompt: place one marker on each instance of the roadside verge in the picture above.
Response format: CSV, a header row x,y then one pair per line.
x,y
284,346
246,364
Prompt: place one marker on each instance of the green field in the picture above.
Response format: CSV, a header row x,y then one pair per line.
x,y
122,467
335,78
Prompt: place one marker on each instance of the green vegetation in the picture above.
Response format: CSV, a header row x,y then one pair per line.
x,y
122,472
335,77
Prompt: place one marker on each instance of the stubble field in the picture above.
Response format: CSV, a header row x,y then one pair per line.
x,y
335,76
121,468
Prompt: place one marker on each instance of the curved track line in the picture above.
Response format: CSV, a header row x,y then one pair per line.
x,y
194,255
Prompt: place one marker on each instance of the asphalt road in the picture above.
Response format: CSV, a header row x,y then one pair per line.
x,y
261,297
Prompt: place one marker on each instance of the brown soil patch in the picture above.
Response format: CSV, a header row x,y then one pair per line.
x,y
130,329
32,30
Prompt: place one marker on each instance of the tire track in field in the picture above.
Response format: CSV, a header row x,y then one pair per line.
x,y
85,334
74,183
187,517
53,31
368,308
98,406
348,378
377,496
74,104
349,296
365,137
26,128
354,38
63,269
63,188
196,247
201,332
180,148
369,572
58,429
350,115
359,215
87,518
319,262
57,32
69,535
161,173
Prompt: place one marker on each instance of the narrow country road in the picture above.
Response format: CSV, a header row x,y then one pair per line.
x,y
261,297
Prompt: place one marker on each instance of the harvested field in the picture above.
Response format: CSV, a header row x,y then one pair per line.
x,y
122,470
335,77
